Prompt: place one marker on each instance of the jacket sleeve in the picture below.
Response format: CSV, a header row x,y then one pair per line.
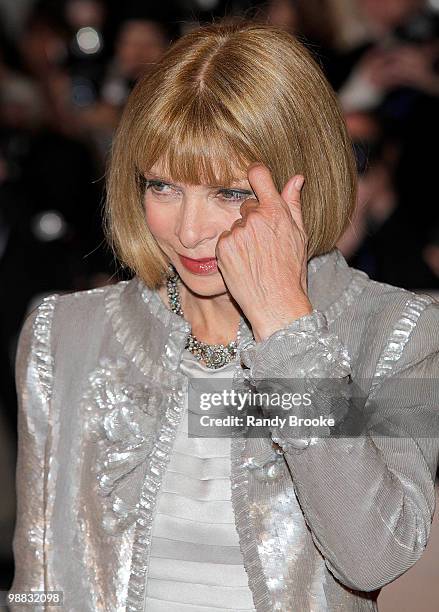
x,y
33,376
368,499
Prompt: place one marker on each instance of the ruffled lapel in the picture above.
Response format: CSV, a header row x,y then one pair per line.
x,y
123,419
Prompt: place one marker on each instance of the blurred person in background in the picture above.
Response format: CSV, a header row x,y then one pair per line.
x,y
50,223
51,234
90,52
68,56
376,198
140,42
394,74
402,51
107,70
303,18
139,45
21,110
431,251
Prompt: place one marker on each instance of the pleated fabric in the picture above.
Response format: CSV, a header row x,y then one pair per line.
x,y
196,564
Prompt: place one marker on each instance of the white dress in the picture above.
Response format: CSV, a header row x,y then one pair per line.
x,y
196,564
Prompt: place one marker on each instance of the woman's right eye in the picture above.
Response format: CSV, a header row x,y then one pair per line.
x,y
161,191
157,187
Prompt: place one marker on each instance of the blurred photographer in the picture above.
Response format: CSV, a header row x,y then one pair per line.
x,y
402,51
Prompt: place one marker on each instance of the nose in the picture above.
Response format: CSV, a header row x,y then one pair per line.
x,y
194,224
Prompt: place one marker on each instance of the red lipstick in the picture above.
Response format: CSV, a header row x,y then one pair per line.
x,y
206,265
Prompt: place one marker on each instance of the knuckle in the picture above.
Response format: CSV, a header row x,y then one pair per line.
x,y
236,227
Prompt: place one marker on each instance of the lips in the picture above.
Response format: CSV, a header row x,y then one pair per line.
x,y
205,265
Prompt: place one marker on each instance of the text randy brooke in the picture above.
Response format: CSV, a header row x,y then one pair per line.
x,y
275,421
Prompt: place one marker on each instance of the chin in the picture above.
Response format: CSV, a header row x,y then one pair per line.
x,y
206,286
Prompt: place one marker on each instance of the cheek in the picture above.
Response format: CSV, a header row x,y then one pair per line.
x,y
159,220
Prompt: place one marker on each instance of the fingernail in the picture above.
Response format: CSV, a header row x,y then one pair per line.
x,y
298,183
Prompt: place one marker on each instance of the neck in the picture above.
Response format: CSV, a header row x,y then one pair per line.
x,y
213,319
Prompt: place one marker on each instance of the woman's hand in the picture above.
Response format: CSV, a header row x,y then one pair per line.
x,y
263,257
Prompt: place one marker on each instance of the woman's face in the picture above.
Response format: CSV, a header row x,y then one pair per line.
x,y
187,220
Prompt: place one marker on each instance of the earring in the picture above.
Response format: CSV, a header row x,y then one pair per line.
x,y
171,271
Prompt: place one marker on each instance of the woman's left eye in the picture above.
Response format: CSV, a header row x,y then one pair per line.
x,y
233,195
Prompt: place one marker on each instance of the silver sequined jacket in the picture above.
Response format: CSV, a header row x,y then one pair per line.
x,y
101,396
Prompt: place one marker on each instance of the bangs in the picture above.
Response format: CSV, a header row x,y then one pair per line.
x,y
193,145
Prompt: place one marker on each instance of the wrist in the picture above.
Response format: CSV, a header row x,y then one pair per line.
x,y
270,323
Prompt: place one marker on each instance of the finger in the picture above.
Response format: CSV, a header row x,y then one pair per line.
x,y
291,194
221,237
247,206
237,223
262,183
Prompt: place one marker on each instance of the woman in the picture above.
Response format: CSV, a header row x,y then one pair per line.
x,y
236,277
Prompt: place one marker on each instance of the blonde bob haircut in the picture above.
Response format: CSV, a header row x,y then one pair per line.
x,y
223,96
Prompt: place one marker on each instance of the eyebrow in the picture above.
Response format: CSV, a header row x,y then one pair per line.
x,y
170,182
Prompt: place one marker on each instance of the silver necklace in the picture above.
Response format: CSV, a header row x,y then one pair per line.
x,y
214,355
